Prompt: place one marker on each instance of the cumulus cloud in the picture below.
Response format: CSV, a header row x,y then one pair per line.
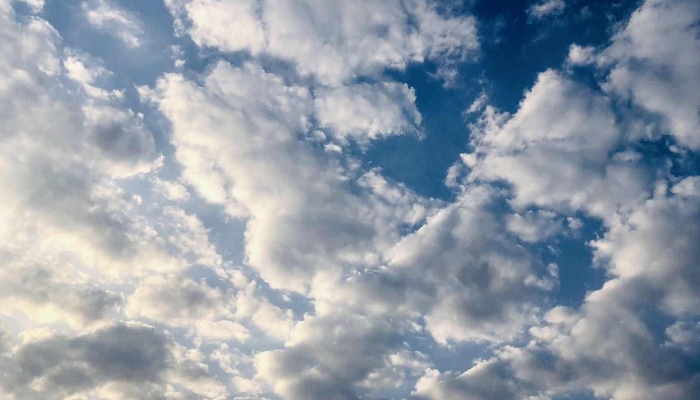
x,y
313,365
60,151
631,338
660,36
50,293
334,41
580,55
173,191
555,150
118,361
351,285
481,279
366,112
208,313
254,119
536,226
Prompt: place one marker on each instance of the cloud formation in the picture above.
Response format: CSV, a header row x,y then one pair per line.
x,y
222,229
336,41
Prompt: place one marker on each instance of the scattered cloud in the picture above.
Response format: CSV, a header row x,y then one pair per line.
x,y
107,16
579,55
335,42
546,8
230,237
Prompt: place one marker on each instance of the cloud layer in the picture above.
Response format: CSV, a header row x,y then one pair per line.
x,y
221,232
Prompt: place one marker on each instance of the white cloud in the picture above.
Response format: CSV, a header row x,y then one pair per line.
x,y
334,41
476,282
365,112
208,313
580,55
324,355
170,190
60,151
546,8
660,36
178,301
533,227
103,14
608,346
228,25
293,228
555,150
48,291
655,243
352,285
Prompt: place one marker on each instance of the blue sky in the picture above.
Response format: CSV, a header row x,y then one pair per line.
x,y
377,199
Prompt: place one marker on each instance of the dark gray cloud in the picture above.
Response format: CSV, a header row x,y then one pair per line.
x,y
128,355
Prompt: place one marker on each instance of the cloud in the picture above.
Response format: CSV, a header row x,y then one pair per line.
x,y
352,285
293,228
60,151
170,190
555,150
333,41
580,55
483,381
178,301
536,226
365,112
654,244
118,358
87,72
653,63
208,313
49,293
104,15
480,282
314,364
546,8
610,345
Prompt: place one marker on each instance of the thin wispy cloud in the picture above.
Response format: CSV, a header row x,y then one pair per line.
x,y
104,15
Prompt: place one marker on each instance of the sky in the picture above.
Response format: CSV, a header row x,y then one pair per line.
x,y
349,200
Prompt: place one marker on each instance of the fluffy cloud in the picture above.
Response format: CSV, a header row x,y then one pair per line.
x,y
314,365
546,8
611,345
579,55
631,338
654,62
365,112
209,313
351,285
172,191
63,198
536,226
481,282
46,292
655,244
555,150
335,41
118,361
246,156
